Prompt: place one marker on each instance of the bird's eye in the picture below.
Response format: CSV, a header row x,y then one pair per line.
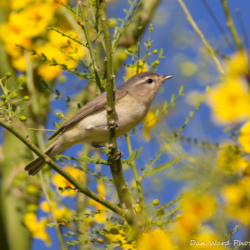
x,y
149,80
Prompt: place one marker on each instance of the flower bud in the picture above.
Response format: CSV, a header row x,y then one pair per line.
x,y
26,98
112,22
157,62
31,208
32,190
13,95
130,50
23,118
159,223
156,202
155,51
8,74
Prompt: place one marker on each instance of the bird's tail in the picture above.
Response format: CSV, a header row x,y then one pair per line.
x,y
36,165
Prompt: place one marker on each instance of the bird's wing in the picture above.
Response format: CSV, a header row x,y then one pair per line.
x,y
91,107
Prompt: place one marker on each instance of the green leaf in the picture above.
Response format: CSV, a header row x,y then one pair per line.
x,y
172,98
162,167
160,53
160,213
135,154
181,90
44,57
57,125
114,231
165,105
20,85
157,112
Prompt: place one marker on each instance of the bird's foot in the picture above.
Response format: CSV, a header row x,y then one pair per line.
x,y
95,145
114,124
119,154
92,127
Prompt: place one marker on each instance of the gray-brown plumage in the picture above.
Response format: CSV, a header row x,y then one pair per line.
x,y
131,101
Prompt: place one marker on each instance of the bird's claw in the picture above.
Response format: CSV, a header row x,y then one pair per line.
x,y
119,154
114,125
95,145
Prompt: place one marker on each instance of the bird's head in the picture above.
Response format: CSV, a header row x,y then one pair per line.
x,y
145,84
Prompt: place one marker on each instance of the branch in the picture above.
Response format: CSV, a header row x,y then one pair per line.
x,y
89,42
231,26
143,16
198,31
117,167
64,173
137,179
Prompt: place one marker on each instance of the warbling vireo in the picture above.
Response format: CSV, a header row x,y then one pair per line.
x,y
88,125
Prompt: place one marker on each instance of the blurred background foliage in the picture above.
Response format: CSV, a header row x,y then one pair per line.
x,y
203,196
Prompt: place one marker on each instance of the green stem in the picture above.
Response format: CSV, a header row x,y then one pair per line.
x,y
202,37
97,21
46,195
35,109
81,198
116,166
137,180
64,173
91,50
231,26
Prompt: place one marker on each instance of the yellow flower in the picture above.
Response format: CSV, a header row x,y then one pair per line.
x,y
195,210
157,240
230,101
237,65
148,127
244,138
36,228
60,212
237,197
11,36
118,237
229,160
32,20
101,217
17,4
19,63
48,72
132,71
51,50
60,181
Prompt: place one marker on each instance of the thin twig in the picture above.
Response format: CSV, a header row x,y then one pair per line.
x,y
210,11
137,180
34,104
230,24
83,24
245,36
78,187
198,31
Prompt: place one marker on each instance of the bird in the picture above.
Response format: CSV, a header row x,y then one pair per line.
x,y
132,101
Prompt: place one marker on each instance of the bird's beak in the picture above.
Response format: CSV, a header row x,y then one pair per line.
x,y
166,77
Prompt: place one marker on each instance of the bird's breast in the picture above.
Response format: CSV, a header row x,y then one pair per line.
x,y
128,114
